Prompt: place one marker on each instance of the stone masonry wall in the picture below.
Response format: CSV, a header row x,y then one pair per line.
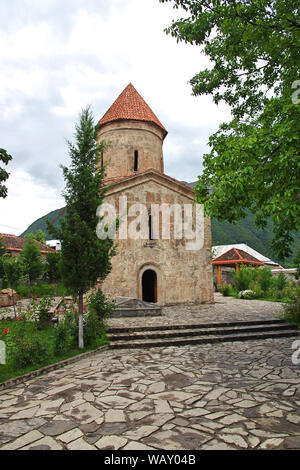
x,y
126,137
182,276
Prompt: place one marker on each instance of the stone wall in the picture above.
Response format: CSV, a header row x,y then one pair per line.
x,y
182,276
126,137
227,275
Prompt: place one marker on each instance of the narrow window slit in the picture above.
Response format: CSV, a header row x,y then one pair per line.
x,y
136,160
150,228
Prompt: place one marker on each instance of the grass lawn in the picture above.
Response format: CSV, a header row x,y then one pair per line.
x,y
46,335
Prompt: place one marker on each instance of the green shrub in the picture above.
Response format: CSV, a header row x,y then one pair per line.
x,y
28,351
280,281
38,290
291,311
225,290
38,311
100,305
68,313
93,328
255,287
265,279
62,339
22,291
42,290
292,291
43,316
244,277
61,290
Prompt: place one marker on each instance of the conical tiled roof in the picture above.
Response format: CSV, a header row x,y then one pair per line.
x,y
130,105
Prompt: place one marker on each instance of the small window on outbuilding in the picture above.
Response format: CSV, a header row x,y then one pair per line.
x,y
136,160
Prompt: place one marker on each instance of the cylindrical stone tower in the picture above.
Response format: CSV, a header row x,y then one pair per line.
x,y
135,135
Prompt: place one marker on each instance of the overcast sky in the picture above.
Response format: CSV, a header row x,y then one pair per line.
x,y
58,56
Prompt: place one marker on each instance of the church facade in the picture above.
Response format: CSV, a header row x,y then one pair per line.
x,y
163,243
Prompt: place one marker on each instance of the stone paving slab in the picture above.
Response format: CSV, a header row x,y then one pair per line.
x,y
241,395
225,309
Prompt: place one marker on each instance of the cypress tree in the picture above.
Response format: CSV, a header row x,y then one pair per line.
x,y
85,259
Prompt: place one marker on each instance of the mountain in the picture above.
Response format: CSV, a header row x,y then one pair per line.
x,y
54,217
223,233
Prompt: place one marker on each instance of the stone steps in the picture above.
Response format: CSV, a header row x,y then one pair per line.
x,y
181,335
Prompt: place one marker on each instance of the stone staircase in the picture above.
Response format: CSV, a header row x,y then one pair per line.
x,y
181,335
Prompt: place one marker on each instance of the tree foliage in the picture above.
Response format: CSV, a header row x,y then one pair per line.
x,y
3,249
52,267
40,236
32,262
5,158
254,47
13,270
85,258
297,262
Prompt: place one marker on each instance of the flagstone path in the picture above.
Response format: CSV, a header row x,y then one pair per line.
x,y
225,309
241,395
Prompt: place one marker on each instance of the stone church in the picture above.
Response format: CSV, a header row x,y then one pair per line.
x,y
152,268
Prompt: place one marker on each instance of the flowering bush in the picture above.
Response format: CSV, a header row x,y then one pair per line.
x,y
38,311
247,294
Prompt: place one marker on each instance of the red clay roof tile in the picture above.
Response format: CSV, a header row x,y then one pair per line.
x,y
235,255
16,244
130,105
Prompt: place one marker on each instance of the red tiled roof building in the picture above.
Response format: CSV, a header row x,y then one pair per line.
x,y
234,258
135,134
152,269
14,245
130,106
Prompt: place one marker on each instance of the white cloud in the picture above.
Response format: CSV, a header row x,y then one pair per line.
x,y
57,57
26,198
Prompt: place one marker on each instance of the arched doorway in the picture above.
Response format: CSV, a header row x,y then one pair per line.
x,y
149,286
